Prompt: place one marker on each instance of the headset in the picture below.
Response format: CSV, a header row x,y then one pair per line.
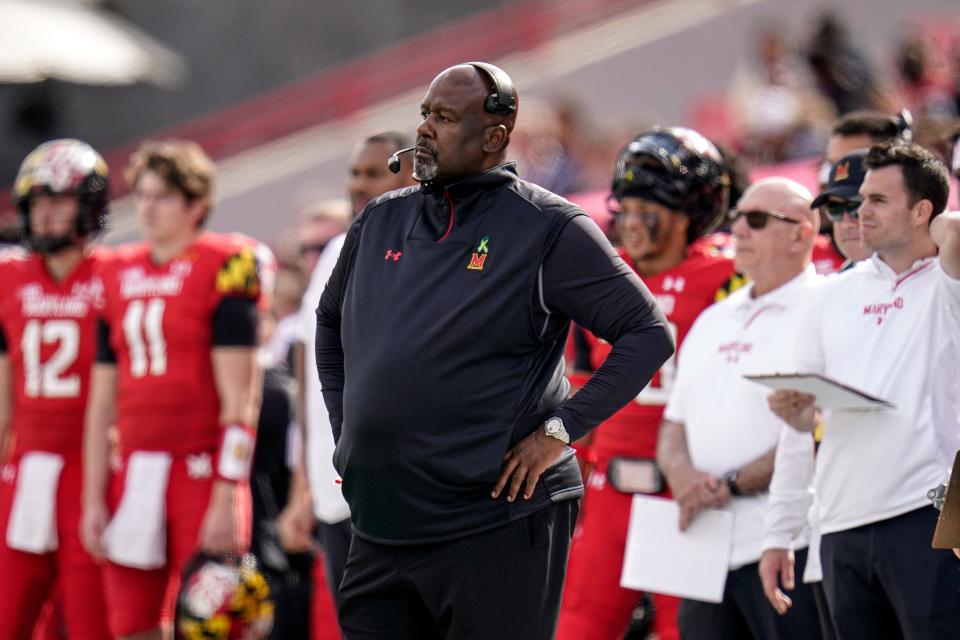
x,y
503,100
903,123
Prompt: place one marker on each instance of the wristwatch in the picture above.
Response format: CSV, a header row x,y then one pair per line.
x,y
555,429
731,480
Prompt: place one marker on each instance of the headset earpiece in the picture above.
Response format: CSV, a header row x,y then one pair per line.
x,y
503,100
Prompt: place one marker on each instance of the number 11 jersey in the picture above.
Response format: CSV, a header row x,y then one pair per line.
x,y
161,323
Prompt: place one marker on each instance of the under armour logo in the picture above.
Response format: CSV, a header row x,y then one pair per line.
x,y
199,466
393,255
674,284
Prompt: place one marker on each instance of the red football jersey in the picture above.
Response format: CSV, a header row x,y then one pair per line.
x,y
50,330
161,326
681,293
826,258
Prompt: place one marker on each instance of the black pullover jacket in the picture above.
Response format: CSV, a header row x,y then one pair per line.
x,y
440,339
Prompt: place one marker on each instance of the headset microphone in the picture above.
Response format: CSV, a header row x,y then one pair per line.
x,y
394,162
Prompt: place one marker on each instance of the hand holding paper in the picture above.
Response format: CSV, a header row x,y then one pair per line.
x,y
828,393
795,408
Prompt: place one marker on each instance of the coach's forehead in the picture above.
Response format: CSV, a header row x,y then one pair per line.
x,y
462,85
782,195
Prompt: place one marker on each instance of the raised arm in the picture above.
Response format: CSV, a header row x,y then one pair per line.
x,y
945,232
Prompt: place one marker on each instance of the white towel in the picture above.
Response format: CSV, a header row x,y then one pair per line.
x,y
136,536
33,517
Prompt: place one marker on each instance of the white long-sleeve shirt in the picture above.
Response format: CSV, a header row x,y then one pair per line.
x,y
791,489
792,508
328,503
896,337
726,417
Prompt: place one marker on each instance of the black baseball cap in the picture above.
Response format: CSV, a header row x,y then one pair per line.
x,y
845,179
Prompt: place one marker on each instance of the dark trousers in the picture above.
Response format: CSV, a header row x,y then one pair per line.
x,y
883,580
335,542
504,583
827,629
746,613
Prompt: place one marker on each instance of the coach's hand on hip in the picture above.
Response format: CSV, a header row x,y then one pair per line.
x,y
524,463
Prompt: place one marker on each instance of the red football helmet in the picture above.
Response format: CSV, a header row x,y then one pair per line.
x,y
63,166
223,598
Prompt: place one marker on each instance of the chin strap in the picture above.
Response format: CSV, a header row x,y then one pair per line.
x,y
49,245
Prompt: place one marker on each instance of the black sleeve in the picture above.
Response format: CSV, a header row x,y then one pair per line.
x,y
105,354
584,279
276,413
235,322
329,348
581,349
3,340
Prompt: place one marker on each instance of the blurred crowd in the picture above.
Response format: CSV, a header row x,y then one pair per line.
x,y
788,91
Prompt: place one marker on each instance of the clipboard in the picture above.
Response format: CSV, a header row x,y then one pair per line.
x,y
947,533
830,394
660,558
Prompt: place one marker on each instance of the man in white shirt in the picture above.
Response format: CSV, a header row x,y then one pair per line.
x,y
890,327
791,484
718,439
315,495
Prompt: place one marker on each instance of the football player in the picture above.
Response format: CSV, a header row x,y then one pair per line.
x,y
176,372
48,316
668,191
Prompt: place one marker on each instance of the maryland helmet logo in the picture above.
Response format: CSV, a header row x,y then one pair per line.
x,y
223,599
239,275
58,166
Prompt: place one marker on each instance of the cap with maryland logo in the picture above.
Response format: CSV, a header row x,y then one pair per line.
x,y
845,179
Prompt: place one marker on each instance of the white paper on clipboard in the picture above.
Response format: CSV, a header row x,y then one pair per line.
x,y
662,559
830,394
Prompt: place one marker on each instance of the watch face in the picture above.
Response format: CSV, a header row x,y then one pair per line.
x,y
555,429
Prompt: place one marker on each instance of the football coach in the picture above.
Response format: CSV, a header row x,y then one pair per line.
x,y
440,337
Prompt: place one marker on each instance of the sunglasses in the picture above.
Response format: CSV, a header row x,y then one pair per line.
x,y
757,218
835,210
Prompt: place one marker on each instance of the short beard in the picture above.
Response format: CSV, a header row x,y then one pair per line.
x,y
425,170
